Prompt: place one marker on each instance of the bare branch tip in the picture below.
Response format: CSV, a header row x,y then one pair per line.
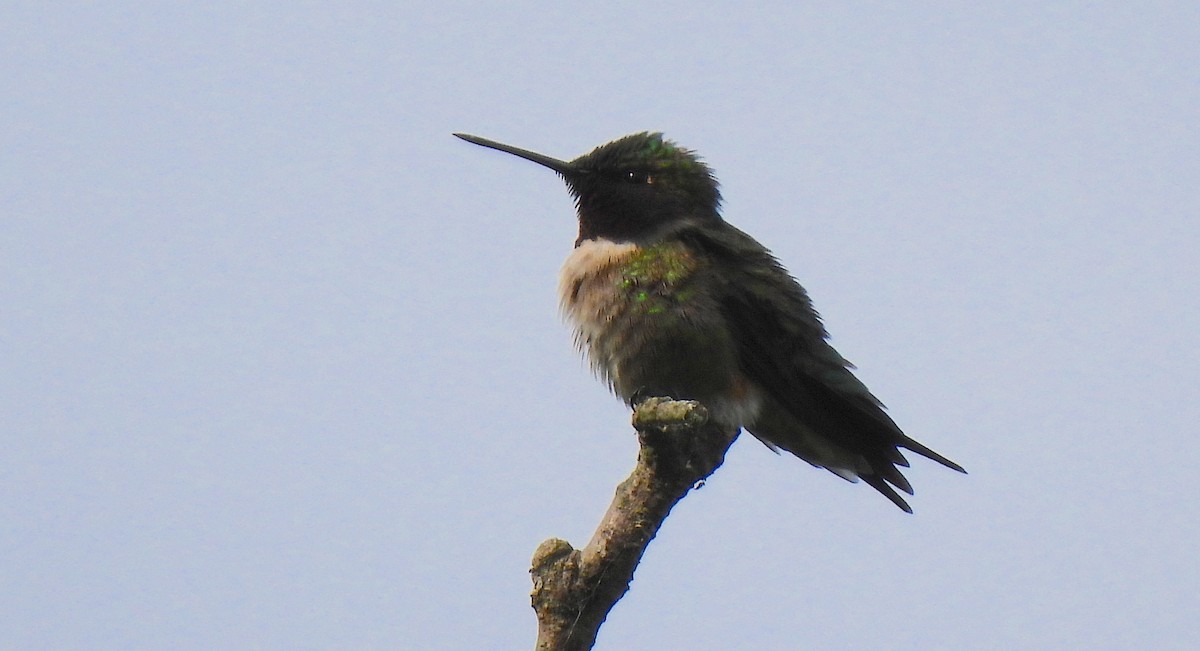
x,y
665,413
549,552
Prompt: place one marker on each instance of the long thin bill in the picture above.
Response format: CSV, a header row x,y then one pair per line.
x,y
562,167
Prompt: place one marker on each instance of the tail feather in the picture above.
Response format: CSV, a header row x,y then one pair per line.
x,y
849,448
930,454
876,482
896,456
892,475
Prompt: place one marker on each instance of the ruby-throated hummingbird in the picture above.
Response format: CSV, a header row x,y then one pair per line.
x,y
667,299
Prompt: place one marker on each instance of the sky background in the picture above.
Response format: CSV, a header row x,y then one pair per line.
x,y
281,365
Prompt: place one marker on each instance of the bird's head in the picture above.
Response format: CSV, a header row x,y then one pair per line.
x,y
637,188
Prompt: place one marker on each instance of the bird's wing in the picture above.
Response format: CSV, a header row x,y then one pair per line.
x,y
783,349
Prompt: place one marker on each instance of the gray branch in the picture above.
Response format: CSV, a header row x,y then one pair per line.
x,y
574,590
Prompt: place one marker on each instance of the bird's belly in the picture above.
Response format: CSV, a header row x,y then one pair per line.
x,y
653,334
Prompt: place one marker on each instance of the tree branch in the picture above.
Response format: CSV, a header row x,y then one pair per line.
x,y
574,590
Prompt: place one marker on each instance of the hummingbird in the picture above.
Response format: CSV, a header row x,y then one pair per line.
x,y
668,299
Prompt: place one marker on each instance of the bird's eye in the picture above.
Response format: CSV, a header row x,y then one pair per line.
x,y
638,178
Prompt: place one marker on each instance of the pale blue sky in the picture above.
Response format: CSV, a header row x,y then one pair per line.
x,y
281,366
